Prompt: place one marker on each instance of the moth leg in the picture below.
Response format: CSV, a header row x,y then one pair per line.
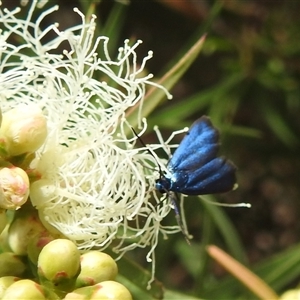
x,y
172,196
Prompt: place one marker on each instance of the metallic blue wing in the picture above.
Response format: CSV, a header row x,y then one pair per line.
x,y
200,145
195,169
216,176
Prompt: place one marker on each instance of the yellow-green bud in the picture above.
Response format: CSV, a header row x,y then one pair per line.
x,y
106,290
11,265
290,295
4,247
24,289
25,226
96,267
78,294
36,245
59,264
42,192
5,282
0,117
24,129
14,187
3,219
55,232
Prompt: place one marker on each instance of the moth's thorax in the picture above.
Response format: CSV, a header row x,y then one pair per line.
x,y
171,182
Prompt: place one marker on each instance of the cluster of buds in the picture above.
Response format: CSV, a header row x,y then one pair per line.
x,y
62,273
23,130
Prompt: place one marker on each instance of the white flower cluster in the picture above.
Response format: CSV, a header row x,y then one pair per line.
x,y
95,186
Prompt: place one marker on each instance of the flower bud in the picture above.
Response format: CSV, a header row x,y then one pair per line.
x,y
59,264
24,129
24,289
96,267
11,265
42,192
0,117
79,294
4,246
54,231
3,219
36,245
106,290
14,188
290,295
25,226
5,282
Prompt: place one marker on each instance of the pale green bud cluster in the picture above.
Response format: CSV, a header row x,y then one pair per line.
x,y
37,264
23,130
59,271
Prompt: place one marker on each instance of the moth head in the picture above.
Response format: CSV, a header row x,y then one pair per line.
x,y
163,184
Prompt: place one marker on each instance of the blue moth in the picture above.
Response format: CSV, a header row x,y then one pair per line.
x,y
195,168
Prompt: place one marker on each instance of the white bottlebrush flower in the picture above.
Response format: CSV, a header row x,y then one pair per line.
x,y
95,186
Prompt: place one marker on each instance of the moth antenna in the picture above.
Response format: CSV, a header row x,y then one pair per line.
x,y
149,151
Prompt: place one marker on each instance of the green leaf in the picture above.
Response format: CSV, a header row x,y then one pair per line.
x,y
204,99
225,227
279,125
277,271
174,295
281,269
136,279
114,25
155,95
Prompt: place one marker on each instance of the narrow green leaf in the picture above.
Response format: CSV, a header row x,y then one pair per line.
x,y
278,125
155,95
277,271
89,7
282,268
244,131
225,227
114,25
136,279
174,295
186,107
